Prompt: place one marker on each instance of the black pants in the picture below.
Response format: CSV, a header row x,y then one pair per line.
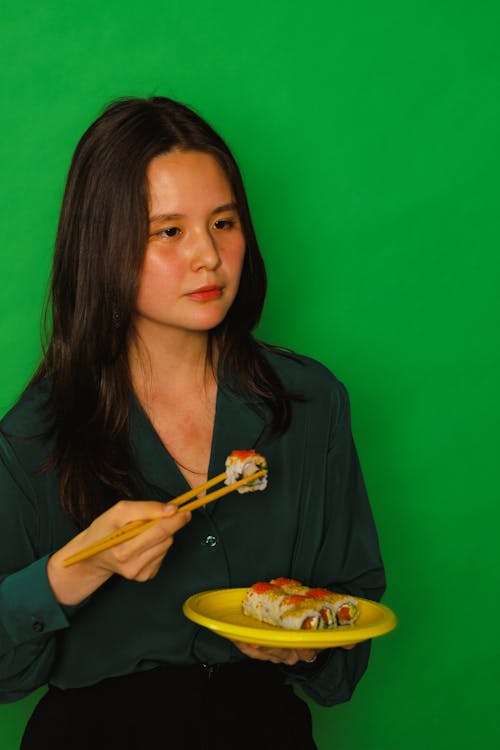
x,y
239,706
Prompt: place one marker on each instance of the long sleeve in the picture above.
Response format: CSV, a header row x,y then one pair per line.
x,y
29,613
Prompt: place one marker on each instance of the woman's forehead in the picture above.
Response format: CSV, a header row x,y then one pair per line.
x,y
178,181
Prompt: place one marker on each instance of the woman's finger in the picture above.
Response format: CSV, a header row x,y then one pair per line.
x,y
169,521
157,534
288,656
127,511
131,558
145,564
308,655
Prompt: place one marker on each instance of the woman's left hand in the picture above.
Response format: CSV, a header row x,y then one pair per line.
x,y
288,656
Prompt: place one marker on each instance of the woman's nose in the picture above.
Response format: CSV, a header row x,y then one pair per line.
x,y
205,253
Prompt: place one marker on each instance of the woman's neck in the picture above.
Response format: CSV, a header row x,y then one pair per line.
x,y
173,361
174,380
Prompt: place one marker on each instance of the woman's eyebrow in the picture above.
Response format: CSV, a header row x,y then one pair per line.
x,y
164,217
172,217
226,207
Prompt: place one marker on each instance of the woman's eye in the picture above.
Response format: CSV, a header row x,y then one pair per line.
x,y
169,232
224,224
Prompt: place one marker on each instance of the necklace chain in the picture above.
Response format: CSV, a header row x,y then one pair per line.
x,y
186,468
148,408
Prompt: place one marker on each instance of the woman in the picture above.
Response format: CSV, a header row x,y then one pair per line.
x,y
150,379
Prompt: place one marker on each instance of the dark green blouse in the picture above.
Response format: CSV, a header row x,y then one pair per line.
x,y
312,523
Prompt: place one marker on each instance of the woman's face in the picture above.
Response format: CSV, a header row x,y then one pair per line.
x,y
194,256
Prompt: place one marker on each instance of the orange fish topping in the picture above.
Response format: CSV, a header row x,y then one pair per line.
x,y
242,454
318,593
294,599
286,582
260,587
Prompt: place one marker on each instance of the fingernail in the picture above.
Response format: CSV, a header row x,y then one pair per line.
x,y
169,509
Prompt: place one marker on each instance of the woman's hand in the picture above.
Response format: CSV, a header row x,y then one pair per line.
x,y
136,559
288,656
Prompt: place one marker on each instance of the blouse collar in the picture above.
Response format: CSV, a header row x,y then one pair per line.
x,y
239,423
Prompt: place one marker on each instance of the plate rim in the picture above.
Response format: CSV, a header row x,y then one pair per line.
x,y
271,636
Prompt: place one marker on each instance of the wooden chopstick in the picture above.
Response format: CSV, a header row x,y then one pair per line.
x,y
223,491
134,528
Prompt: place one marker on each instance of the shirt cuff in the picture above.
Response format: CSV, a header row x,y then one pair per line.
x,y
28,605
305,669
335,677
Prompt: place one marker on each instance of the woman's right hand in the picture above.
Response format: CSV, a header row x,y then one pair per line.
x,y
136,559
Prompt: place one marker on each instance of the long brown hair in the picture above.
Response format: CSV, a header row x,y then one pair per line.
x,y
99,250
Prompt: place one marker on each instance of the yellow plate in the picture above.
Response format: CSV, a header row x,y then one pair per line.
x,y
219,610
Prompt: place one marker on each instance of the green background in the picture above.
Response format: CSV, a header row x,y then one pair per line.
x,y
367,134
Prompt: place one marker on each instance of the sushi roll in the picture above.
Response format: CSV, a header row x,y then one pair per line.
x,y
291,605
343,608
327,610
338,607
240,464
302,615
268,603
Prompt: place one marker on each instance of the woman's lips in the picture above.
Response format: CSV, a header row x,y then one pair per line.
x,y
205,293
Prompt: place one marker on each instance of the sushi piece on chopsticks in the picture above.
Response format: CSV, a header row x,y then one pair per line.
x,y
291,605
241,464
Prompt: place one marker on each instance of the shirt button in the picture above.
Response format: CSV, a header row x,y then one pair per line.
x,y
38,626
210,541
